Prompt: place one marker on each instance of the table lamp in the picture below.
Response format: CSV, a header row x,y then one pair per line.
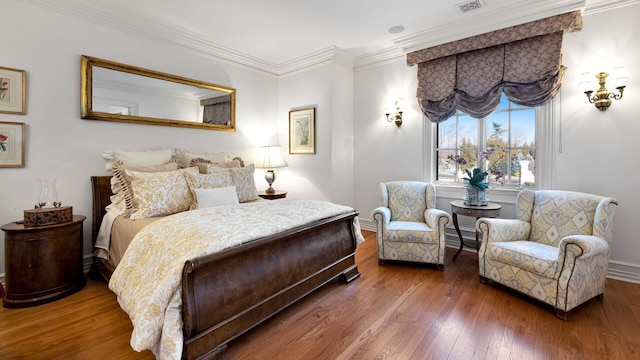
x,y
269,158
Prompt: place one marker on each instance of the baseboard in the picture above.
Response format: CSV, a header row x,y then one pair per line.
x,y
618,270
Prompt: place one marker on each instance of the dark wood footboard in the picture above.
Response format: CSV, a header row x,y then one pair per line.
x,y
227,293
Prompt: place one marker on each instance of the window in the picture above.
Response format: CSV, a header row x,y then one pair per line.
x,y
503,144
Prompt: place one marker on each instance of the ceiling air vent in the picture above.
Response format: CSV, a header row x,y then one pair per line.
x,y
469,6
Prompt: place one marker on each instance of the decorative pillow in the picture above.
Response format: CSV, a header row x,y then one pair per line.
x,y
202,164
157,194
138,158
216,197
206,181
242,179
184,157
119,180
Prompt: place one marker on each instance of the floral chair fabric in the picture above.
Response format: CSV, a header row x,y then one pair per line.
x,y
408,226
556,250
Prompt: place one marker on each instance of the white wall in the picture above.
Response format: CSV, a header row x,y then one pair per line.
x,y
328,174
597,148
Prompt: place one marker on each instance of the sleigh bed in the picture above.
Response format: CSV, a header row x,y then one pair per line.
x,y
225,294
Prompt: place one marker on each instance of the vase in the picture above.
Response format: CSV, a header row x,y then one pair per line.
x,y
48,193
476,197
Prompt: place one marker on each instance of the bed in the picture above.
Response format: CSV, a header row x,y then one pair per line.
x,y
263,276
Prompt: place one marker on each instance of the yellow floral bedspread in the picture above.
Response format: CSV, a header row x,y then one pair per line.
x,y
147,280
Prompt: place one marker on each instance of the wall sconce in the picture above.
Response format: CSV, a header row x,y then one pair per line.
x,y
269,158
602,97
397,117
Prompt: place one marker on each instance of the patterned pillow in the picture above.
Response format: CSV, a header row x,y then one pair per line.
x,y
202,164
119,178
184,157
242,179
157,194
206,181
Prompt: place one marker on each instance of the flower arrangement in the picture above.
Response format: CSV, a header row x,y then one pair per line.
x,y
476,176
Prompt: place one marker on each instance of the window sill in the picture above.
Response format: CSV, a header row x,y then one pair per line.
x,y
498,194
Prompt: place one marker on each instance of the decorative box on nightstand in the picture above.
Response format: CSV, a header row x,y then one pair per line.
x,y
43,263
279,194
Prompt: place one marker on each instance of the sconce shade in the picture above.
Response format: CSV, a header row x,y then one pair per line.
x,y
269,158
603,98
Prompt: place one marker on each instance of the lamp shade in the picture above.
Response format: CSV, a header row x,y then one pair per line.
x,y
270,157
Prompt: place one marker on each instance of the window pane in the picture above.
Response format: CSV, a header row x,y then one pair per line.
x,y
447,134
468,132
498,130
523,124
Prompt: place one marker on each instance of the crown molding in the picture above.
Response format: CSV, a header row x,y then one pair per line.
x,y
381,57
467,26
596,6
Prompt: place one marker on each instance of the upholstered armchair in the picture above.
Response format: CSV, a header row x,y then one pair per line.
x,y
556,250
408,226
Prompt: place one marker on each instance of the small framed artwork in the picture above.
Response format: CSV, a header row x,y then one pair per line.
x,y
11,144
12,91
302,131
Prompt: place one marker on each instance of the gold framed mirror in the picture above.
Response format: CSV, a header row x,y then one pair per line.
x,y
123,93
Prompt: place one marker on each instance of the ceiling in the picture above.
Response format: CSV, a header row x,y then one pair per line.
x,y
279,36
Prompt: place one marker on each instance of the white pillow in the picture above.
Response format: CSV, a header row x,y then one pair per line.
x,y
216,197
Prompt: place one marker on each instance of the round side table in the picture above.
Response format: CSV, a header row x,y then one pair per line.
x,y
458,207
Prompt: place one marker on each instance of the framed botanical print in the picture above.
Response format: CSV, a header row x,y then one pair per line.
x,y
11,144
12,91
302,131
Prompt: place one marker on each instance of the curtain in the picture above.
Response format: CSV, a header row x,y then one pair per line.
x,y
217,110
470,75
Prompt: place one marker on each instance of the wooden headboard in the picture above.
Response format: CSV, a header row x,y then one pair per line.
x,y
101,190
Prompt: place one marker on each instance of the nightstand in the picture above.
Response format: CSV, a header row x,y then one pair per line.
x,y
279,194
43,263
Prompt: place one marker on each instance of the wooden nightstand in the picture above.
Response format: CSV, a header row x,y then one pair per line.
x,y
43,263
279,194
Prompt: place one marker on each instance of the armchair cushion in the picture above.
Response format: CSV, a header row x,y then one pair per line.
x,y
530,256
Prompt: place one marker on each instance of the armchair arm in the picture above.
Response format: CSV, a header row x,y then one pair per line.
x,y
381,215
582,269
503,229
583,246
437,218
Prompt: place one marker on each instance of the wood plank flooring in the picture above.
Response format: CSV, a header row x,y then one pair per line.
x,y
395,311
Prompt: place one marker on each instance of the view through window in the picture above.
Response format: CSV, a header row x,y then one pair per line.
x,y
503,144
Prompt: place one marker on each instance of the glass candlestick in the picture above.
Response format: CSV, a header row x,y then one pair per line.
x,y
48,193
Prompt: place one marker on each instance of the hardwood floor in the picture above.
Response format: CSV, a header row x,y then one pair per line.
x,y
395,311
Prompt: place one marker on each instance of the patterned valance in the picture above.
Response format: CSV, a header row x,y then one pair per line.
x,y
524,61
